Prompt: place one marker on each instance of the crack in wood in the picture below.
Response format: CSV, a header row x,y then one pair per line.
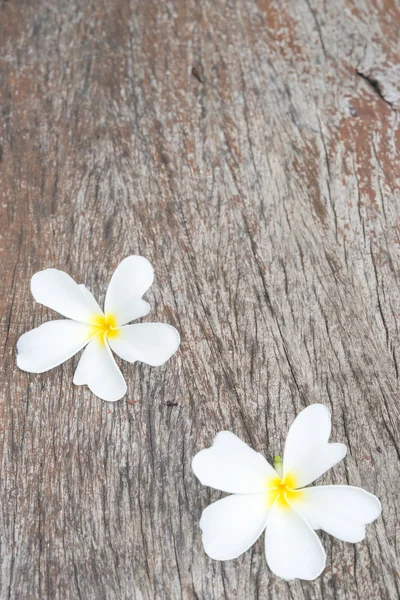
x,y
374,83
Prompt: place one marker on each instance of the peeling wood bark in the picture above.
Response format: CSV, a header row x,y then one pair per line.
x,y
234,145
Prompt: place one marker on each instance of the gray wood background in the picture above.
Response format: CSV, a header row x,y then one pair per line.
x,y
250,150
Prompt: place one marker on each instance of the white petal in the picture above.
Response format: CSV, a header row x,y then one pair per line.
x,y
232,466
311,427
292,548
232,525
51,344
340,510
151,343
58,291
307,452
132,278
98,369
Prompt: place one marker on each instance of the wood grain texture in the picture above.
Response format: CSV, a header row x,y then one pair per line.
x,y
250,150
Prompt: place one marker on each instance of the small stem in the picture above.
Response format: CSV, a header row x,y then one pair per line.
x,y
278,466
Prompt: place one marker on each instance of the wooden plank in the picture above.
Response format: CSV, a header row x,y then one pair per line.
x,y
250,150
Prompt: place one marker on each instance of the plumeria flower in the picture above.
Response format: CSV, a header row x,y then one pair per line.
x,y
277,500
54,342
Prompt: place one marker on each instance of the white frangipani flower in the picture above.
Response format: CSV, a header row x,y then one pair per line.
x,y
55,342
277,501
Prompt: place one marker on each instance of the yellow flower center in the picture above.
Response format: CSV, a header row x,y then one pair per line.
x,y
104,326
283,491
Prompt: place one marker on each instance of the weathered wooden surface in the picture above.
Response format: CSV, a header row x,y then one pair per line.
x,y
249,149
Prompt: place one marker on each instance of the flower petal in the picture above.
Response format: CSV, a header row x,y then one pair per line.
x,y
151,343
292,548
232,466
58,291
131,279
340,510
232,525
98,369
307,452
51,344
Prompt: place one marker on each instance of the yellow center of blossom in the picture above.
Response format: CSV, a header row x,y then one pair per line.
x,y
104,326
283,491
